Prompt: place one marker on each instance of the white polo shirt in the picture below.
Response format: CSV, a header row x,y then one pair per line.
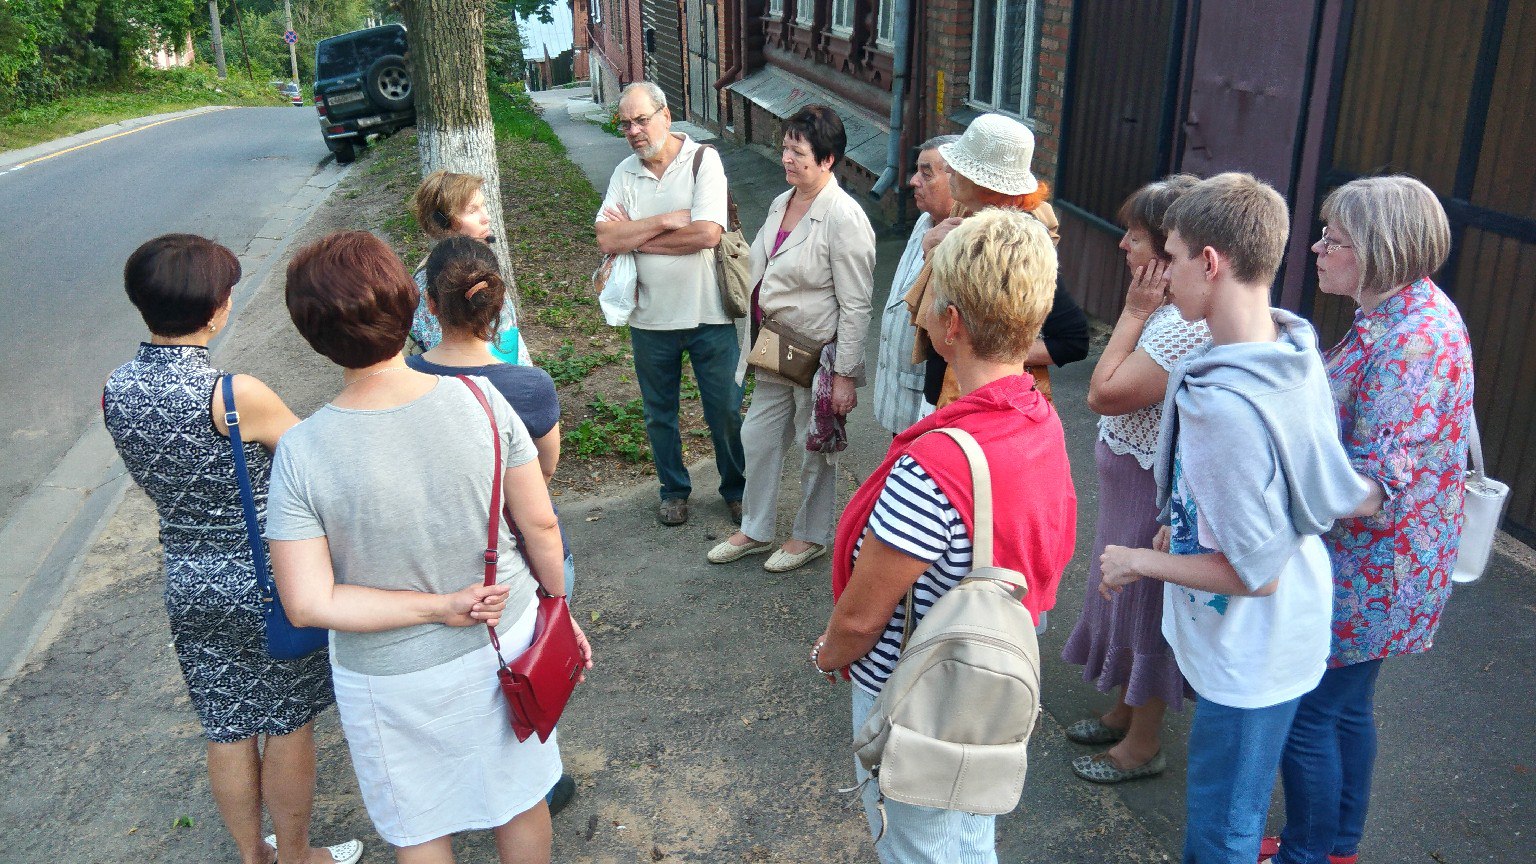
x,y
677,292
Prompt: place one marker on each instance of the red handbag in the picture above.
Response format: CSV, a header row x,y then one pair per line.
x,y
538,682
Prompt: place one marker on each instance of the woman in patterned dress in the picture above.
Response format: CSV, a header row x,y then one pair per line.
x,y
1402,380
166,415
1119,642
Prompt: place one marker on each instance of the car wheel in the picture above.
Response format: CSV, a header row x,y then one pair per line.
x,y
345,153
389,83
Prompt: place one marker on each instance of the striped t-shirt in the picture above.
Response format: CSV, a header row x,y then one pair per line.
x,y
913,516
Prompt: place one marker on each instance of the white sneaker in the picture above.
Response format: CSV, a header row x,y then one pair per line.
x,y
342,853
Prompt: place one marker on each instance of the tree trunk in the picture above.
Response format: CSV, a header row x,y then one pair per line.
x,y
454,131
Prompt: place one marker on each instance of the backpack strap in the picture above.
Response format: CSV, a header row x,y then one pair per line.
x,y
981,497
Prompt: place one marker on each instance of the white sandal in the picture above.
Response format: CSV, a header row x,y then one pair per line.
x,y
342,853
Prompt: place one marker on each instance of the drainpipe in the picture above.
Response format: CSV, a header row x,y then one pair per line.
x,y
732,16
892,173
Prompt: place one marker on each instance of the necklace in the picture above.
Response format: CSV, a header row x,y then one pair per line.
x,y
373,373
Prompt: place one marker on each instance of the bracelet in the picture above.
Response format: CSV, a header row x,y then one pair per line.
x,y
816,659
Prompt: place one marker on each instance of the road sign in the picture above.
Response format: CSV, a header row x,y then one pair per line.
x,y
291,37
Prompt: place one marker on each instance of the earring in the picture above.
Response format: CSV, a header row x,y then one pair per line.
x,y
212,327
949,340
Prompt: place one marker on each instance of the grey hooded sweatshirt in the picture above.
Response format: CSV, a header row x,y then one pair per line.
x,y
1261,446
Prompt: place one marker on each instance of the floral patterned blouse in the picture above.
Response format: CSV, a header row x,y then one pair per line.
x,y
1402,381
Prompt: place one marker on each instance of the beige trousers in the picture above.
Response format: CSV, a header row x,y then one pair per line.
x,y
776,425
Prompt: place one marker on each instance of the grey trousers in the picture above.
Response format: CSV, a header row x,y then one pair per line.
x,y
776,424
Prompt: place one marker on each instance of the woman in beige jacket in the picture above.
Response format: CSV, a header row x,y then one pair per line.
x,y
813,263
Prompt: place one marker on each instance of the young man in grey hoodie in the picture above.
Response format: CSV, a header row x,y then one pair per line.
x,y
1250,471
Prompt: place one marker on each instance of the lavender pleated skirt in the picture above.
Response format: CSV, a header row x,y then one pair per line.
x,y
1119,642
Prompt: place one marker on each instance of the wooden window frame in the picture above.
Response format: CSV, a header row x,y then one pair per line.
x,y
1030,59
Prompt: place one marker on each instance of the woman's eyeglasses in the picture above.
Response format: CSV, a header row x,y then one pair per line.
x,y
1332,246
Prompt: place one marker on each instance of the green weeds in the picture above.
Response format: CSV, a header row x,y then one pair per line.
x,y
615,429
568,367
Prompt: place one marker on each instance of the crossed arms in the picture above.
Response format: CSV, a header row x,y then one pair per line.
x,y
674,233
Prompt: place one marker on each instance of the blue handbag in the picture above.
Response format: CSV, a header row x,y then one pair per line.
x,y
284,641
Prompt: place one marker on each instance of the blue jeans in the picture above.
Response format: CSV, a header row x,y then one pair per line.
x,y
921,835
659,370
1233,756
1327,766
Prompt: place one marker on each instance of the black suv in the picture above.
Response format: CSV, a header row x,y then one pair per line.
x,y
362,86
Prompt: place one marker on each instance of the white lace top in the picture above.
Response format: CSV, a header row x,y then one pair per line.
x,y
1166,339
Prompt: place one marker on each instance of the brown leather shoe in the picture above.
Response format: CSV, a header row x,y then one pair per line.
x,y
735,508
673,511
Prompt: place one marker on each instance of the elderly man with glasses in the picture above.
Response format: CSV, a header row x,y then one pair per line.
x,y
669,208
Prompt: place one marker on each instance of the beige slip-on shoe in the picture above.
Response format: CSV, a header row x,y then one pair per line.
x,y
783,562
726,551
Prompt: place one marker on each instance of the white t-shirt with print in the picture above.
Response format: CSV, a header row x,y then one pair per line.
x,y
1246,652
677,292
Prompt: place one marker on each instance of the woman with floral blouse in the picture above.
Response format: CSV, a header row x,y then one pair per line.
x,y
1402,380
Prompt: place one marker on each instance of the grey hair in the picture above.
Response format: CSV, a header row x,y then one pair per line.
x,y
1398,226
937,141
649,88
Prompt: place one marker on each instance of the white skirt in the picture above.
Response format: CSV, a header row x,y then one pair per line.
x,y
434,750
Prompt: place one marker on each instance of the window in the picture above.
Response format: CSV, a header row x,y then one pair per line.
x,y
805,13
597,11
842,17
885,28
1003,55
776,9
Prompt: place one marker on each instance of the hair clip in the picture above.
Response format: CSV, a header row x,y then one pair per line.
x,y
477,286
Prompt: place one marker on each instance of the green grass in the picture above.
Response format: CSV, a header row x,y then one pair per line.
x,y
146,92
516,117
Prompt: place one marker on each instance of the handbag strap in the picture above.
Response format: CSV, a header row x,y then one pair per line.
x,y
247,497
730,201
493,524
1475,446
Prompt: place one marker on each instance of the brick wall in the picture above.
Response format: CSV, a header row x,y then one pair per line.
x,y
946,32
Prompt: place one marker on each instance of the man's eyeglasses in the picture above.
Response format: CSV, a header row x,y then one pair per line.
x,y
637,122
1331,246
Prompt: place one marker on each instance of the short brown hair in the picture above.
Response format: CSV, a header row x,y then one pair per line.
x,y
464,282
351,298
1238,215
1148,206
821,129
441,197
179,282
1398,227
998,269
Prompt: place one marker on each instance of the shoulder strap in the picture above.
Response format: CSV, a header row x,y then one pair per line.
x,y
493,526
981,496
730,200
1475,445
247,497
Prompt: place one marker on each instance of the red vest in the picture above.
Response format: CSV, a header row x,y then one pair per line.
x,y
1033,503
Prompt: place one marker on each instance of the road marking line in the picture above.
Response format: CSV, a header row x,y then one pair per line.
x,y
110,137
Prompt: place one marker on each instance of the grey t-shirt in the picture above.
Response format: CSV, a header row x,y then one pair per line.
x,y
402,496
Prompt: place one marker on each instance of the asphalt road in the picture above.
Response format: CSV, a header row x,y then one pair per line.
x,y
69,224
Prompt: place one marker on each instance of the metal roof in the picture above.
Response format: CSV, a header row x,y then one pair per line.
x,y
547,40
782,94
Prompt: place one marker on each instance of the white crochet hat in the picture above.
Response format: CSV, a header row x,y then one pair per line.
x,y
994,153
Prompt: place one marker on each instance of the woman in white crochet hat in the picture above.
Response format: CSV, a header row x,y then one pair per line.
x,y
990,167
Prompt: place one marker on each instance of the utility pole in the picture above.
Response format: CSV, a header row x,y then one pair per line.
x,y
293,50
217,36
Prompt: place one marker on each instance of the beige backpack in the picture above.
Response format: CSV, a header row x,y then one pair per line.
x,y
951,727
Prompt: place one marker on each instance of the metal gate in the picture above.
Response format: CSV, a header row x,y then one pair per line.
x,y
1458,117
663,49
702,22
